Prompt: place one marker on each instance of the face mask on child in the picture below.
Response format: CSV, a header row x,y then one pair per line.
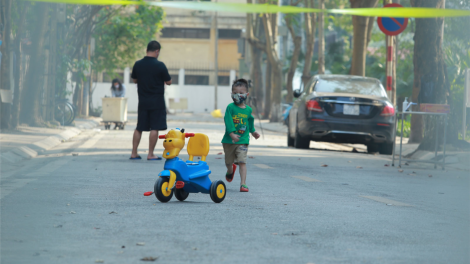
x,y
239,98
117,86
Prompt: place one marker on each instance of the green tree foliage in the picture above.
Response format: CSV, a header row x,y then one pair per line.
x,y
123,35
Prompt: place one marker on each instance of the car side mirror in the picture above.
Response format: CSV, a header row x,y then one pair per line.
x,y
297,93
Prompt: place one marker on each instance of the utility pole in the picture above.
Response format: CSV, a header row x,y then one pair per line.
x,y
216,58
321,40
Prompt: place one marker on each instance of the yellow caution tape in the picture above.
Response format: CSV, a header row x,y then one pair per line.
x,y
416,12
91,2
266,8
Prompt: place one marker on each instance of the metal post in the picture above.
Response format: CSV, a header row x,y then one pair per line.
x,y
445,137
437,144
390,67
401,137
394,140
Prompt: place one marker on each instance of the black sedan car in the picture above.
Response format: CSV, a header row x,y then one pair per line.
x,y
342,109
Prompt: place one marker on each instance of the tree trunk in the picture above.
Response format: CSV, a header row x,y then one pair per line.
x,y
362,28
30,111
321,40
19,68
253,23
430,84
270,26
5,66
292,68
295,57
310,26
268,90
257,77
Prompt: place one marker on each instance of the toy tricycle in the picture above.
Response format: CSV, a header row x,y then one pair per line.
x,y
182,177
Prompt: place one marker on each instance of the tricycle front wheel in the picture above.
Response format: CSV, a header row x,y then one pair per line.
x,y
162,190
218,191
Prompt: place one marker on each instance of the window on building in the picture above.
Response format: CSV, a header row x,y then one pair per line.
x,y
195,33
174,78
224,80
196,79
229,33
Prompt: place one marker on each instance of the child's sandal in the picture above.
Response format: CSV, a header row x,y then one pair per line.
x,y
229,177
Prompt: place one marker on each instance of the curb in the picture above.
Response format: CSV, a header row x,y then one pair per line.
x,y
22,153
270,129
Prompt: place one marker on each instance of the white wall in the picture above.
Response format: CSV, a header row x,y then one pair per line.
x,y
200,97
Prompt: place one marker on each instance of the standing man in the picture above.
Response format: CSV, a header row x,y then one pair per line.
x,y
150,75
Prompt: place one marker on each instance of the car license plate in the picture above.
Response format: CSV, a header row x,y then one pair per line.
x,y
350,109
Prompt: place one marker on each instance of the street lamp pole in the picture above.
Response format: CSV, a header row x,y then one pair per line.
x,y
216,56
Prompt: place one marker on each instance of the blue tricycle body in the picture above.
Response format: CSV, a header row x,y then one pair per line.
x,y
195,175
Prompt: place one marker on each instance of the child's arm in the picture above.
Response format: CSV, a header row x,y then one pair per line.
x,y
251,124
230,126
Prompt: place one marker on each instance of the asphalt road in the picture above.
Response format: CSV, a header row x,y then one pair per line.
x,y
82,202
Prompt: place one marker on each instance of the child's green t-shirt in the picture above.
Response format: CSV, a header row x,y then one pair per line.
x,y
240,121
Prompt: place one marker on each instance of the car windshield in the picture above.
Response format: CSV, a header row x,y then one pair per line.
x,y
352,85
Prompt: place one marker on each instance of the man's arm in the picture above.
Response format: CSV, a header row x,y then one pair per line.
x,y
134,74
165,74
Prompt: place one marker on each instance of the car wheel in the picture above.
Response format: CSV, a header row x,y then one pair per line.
x,y
372,148
386,148
301,142
290,140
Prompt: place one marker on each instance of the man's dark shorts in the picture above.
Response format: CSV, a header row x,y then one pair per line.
x,y
151,119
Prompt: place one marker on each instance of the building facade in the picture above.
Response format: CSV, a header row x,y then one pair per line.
x,y
188,42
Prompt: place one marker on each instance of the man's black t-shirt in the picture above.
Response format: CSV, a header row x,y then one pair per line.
x,y
151,76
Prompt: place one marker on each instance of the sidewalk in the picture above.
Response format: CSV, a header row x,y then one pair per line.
x,y
27,142
454,158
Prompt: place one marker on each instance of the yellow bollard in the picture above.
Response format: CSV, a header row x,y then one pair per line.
x,y
216,113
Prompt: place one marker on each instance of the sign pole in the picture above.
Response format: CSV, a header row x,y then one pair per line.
x,y
391,26
389,66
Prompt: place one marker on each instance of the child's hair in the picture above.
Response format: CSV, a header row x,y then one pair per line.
x,y
240,82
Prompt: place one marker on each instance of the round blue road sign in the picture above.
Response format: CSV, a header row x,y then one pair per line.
x,y
392,26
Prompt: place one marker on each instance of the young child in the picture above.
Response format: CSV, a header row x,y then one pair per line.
x,y
238,124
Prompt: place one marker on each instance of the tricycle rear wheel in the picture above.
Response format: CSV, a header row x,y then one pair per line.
x,y
218,191
181,195
162,190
